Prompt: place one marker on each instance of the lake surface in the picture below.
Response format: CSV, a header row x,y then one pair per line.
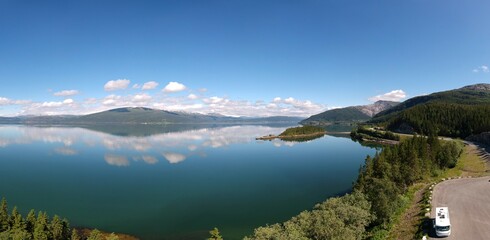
x,y
172,182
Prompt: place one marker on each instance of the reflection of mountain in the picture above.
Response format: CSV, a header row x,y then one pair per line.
x,y
139,130
172,144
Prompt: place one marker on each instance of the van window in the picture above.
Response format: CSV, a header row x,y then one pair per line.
x,y
442,228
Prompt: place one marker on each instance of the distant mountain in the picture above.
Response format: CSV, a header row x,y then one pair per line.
x,y
458,113
349,114
141,115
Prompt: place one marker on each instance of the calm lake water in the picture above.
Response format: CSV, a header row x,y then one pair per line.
x,y
172,183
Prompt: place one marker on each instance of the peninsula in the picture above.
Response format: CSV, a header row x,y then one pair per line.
x,y
297,133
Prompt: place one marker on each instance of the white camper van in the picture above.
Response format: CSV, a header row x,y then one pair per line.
x,y
442,225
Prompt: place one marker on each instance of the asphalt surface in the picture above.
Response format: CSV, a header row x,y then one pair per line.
x,y
468,200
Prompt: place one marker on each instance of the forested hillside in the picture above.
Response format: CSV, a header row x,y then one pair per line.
x,y
455,113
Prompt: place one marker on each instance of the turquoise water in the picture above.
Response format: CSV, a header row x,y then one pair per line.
x,y
172,183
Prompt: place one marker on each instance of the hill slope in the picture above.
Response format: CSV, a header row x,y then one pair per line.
x,y
457,113
349,114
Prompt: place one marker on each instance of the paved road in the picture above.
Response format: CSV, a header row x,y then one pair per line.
x,y
468,200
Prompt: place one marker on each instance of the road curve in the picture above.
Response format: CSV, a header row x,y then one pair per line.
x,y
468,200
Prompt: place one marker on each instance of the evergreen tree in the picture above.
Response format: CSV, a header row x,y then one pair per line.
x,y
56,228
215,235
4,216
74,235
66,232
41,231
95,235
17,223
31,221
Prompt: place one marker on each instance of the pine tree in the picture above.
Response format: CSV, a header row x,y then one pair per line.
x,y
16,220
215,235
41,227
95,235
66,229
4,216
31,221
56,228
74,235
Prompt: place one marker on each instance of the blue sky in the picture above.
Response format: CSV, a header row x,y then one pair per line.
x,y
235,57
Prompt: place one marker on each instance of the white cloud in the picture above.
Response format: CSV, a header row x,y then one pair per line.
x,y
136,86
192,96
289,100
215,100
4,101
178,107
66,93
110,100
149,85
482,68
57,104
194,101
120,161
21,102
114,85
141,98
174,87
174,157
286,107
395,95
271,105
52,104
90,101
7,101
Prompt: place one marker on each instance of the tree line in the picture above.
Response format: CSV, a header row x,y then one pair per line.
x,y
452,120
362,132
40,227
369,210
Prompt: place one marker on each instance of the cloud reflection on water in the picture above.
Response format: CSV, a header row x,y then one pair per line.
x,y
174,157
120,161
66,151
174,146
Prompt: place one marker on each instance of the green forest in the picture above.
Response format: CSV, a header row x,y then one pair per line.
x,y
363,133
368,211
40,227
452,120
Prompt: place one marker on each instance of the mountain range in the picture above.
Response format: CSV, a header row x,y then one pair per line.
x,y
351,114
148,116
